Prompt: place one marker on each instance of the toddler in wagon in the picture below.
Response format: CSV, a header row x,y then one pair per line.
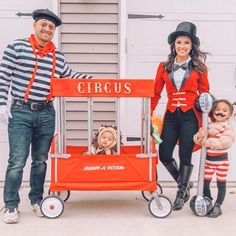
x,y
105,140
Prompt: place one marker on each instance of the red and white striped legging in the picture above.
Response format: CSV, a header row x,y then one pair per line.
x,y
219,167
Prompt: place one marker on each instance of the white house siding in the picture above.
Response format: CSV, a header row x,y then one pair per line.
x,y
148,27
89,40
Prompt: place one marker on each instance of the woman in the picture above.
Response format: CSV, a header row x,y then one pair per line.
x,y
185,77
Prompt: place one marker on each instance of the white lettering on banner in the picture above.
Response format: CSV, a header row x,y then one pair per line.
x,y
95,168
97,87
108,88
91,167
127,87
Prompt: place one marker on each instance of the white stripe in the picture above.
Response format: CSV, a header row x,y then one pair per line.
x,y
208,176
222,172
37,98
221,178
217,151
36,91
17,95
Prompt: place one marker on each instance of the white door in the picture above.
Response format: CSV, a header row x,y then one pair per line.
x,y
148,27
15,27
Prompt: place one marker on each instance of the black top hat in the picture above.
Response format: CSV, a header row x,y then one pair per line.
x,y
46,14
186,29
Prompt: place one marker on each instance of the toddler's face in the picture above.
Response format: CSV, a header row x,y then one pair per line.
x,y
107,139
222,112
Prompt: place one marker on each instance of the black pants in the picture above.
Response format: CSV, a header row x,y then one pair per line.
x,y
178,126
221,191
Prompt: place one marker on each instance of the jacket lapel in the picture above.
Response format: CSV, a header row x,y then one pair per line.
x,y
187,74
171,77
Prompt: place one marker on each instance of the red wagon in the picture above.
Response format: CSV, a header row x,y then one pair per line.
x,y
132,168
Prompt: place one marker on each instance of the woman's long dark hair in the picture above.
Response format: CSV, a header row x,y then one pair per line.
x,y
198,58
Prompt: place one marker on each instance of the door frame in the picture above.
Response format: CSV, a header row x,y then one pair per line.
x,y
122,34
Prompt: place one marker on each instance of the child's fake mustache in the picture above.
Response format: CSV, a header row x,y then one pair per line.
x,y
219,114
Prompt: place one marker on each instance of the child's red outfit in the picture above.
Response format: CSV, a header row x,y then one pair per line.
x,y
219,140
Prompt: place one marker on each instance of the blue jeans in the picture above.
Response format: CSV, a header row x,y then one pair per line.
x,y
27,129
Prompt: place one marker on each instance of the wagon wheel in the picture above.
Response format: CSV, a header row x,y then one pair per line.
x,y
160,206
64,195
52,207
147,195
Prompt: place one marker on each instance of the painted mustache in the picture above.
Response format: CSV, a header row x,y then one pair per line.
x,y
219,114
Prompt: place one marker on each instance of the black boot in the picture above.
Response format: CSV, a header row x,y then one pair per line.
x,y
216,211
173,170
183,192
187,196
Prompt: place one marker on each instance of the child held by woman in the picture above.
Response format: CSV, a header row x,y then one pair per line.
x,y
217,138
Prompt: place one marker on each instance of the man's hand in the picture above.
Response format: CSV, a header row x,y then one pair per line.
x,y
4,114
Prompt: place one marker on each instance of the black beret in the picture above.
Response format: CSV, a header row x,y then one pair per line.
x,y
46,14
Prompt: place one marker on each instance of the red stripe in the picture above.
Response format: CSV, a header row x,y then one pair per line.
x,y
209,173
207,167
220,180
207,178
214,154
212,165
221,170
221,175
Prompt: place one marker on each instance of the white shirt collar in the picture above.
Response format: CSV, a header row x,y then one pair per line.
x,y
187,61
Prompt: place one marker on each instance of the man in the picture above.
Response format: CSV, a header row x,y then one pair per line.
x,y
28,65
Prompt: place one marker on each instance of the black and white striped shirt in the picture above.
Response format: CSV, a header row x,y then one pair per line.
x,y
17,67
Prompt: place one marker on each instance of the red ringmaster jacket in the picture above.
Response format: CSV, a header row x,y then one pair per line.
x,y
193,84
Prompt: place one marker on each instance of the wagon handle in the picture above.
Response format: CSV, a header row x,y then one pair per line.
x,y
61,126
90,123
